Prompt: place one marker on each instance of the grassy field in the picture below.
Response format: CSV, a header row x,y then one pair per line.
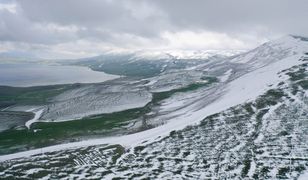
x,y
45,133
30,95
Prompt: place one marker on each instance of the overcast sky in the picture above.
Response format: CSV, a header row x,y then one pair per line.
x,y
80,28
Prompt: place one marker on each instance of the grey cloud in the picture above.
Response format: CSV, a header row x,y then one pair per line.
x,y
285,16
122,23
14,27
238,16
116,16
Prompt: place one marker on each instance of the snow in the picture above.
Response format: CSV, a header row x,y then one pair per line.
x,y
303,176
252,169
259,139
255,83
94,99
272,51
244,59
34,170
37,115
226,75
184,54
239,91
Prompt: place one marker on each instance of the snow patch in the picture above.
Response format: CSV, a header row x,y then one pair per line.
x,y
38,113
226,75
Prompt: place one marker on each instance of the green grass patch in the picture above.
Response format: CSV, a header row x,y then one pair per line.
x,y
247,164
303,84
49,133
194,86
270,98
298,75
30,95
119,150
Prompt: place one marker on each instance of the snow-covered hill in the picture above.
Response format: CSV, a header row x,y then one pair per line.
x,y
250,122
149,63
273,51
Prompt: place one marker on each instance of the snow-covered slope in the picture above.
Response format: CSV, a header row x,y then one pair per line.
x,y
94,99
221,131
273,51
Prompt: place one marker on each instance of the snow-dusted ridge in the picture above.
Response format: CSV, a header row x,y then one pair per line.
x,y
238,91
187,54
273,51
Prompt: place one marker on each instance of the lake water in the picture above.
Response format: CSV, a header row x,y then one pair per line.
x,y
23,75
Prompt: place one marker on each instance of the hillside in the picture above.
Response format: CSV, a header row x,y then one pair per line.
x,y
247,119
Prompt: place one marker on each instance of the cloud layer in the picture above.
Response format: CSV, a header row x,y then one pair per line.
x,y
78,28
